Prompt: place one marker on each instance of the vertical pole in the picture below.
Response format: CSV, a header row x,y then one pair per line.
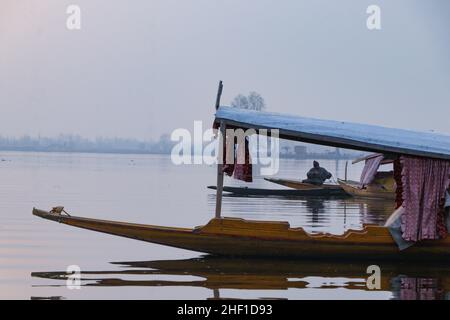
x,y
346,170
220,156
222,144
219,94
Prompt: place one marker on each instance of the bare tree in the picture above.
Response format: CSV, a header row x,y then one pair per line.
x,y
240,101
254,101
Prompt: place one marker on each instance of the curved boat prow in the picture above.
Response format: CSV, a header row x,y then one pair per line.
x,y
175,237
45,214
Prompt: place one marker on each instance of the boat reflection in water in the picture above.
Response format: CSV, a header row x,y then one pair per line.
x,y
402,281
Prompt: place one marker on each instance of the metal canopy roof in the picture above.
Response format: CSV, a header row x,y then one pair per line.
x,y
341,134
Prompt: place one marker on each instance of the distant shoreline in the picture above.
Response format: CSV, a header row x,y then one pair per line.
x,y
310,156
118,151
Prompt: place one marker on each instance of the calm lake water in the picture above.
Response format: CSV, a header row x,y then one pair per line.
x,y
35,253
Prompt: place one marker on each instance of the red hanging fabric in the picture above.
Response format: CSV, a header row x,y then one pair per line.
x,y
424,183
237,164
229,155
227,160
243,166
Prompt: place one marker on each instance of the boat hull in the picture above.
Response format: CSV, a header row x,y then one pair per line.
x,y
351,188
237,237
299,185
245,191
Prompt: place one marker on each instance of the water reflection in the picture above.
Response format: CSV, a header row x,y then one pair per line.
x,y
154,191
315,207
403,281
314,214
420,288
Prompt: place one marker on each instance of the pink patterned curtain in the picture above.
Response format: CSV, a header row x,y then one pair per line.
x,y
424,183
370,170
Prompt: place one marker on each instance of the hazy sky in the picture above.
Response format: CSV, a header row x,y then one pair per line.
x,y
142,68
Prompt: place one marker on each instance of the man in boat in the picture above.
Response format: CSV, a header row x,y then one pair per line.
x,y
317,175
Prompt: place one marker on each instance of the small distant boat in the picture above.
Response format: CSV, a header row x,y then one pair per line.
x,y
299,185
318,192
370,191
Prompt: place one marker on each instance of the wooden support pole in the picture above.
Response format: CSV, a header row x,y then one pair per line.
x,y
219,94
220,157
346,170
220,176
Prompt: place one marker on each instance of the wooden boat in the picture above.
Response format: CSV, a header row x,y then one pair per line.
x,y
299,185
237,237
380,189
315,192
371,191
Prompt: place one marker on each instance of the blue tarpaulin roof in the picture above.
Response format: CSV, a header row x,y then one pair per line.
x,y
341,134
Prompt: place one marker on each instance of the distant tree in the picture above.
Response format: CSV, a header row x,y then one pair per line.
x,y
254,101
240,101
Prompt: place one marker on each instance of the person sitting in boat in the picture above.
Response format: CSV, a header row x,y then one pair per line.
x,y
317,175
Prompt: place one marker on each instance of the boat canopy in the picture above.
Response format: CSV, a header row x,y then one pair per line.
x,y
340,134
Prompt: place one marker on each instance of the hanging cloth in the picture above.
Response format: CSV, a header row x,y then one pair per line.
x,y
370,170
424,184
236,163
229,156
243,166
398,183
